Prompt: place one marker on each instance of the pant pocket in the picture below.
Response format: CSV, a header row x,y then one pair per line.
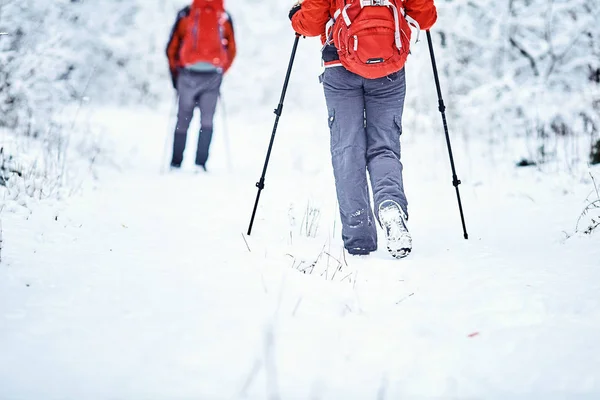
x,y
333,128
398,124
396,132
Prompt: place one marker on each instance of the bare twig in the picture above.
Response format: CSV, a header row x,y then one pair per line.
x,y
347,277
595,185
305,268
404,298
336,259
256,367
297,306
338,268
594,222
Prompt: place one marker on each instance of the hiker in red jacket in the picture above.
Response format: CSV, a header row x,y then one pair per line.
x,y
200,50
365,46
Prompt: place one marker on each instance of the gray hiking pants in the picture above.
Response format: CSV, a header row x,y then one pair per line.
x,y
196,89
365,120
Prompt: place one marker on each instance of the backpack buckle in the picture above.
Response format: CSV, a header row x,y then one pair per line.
x,y
365,3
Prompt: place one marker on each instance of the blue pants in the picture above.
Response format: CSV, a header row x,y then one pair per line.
x,y
365,120
196,89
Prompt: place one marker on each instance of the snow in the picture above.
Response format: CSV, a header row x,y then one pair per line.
x,y
146,288
145,285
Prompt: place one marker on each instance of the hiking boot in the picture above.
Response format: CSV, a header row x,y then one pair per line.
x,y
200,168
393,222
359,251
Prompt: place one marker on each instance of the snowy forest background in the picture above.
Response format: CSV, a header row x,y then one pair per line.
x,y
524,75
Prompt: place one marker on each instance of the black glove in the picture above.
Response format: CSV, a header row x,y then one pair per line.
x,y
295,9
174,75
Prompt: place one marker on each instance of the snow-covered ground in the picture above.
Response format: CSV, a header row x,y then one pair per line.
x,y
146,285
148,288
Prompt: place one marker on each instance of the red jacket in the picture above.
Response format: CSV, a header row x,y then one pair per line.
x,y
314,14
181,27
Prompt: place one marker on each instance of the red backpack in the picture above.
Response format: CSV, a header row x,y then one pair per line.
x,y
372,37
203,40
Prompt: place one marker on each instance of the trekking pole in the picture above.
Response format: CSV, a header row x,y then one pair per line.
x,y
261,183
442,108
169,135
225,133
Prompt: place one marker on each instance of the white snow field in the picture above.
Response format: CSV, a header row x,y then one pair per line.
x,y
146,286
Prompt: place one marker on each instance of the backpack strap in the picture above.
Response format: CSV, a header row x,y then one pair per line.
x,y
328,28
396,21
413,22
344,12
184,12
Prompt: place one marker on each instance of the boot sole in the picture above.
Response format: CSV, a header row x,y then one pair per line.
x,y
399,242
399,253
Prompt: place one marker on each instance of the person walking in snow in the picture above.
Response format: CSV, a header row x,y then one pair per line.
x,y
366,44
200,50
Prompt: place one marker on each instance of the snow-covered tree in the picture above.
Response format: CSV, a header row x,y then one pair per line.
x,y
59,56
522,67
54,53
